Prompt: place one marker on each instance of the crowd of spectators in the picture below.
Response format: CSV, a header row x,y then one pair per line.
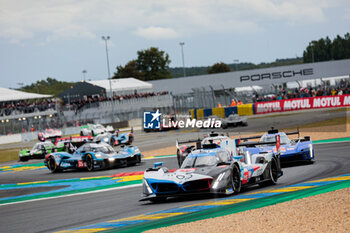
x,y
342,88
80,103
26,106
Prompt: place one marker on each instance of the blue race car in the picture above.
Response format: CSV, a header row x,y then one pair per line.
x,y
299,149
116,139
93,156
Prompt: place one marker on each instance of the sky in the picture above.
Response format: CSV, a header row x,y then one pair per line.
x,y
61,38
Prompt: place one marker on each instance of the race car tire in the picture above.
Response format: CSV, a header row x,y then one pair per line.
x,y
23,159
51,164
81,133
92,133
112,142
89,162
236,182
131,139
138,160
179,158
272,173
310,161
158,200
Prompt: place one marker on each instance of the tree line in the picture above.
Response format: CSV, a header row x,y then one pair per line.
x,y
326,49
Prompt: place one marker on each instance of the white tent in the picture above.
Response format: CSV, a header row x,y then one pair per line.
x,y
13,95
123,85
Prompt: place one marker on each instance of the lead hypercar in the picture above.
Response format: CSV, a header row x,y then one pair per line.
x,y
299,149
93,156
212,169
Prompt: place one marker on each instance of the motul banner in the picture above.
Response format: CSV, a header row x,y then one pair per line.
x,y
302,103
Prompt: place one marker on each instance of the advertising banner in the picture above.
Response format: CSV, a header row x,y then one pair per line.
x,y
302,103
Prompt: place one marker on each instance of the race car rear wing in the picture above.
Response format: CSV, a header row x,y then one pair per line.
x,y
197,141
124,130
253,144
271,131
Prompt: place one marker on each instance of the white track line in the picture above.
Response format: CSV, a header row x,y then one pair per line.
x,y
73,194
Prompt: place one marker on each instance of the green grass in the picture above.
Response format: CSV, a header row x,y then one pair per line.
x,y
9,155
331,122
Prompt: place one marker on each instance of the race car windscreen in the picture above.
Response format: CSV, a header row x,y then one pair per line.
x,y
200,161
211,141
107,149
272,138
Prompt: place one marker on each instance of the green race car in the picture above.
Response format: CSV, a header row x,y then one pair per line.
x,y
39,150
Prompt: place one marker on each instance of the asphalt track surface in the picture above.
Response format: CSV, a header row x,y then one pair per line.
x,y
75,211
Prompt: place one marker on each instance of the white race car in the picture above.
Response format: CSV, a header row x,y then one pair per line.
x,y
212,168
94,129
234,120
49,134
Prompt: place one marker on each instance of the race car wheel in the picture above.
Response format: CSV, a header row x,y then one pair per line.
x,y
112,142
23,159
272,174
92,133
52,165
179,158
81,133
89,162
158,200
131,139
236,180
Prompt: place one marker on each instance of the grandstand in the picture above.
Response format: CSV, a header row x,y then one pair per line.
x,y
93,102
207,91
22,112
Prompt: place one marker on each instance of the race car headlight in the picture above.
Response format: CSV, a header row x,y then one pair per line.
x,y
311,151
98,155
105,139
218,180
111,159
146,189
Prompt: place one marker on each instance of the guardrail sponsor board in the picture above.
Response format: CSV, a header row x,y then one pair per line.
x,y
302,103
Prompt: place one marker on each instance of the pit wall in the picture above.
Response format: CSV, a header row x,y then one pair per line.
x,y
274,106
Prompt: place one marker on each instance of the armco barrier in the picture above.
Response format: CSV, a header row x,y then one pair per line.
x,y
10,138
302,103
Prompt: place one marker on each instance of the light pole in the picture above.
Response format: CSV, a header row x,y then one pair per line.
x,y
236,63
312,51
84,72
105,38
183,57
